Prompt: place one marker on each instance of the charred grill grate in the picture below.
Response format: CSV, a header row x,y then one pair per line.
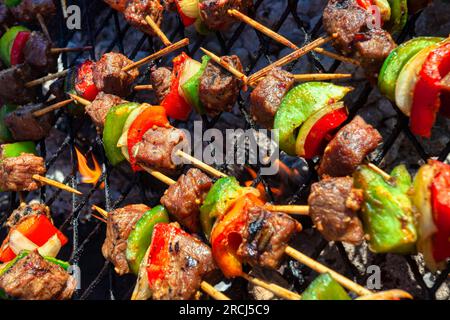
x,y
98,278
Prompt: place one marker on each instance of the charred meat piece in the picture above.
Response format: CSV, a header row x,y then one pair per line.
x,y
333,207
57,89
34,278
25,211
218,88
120,223
37,53
118,5
266,236
161,80
348,148
12,84
24,126
158,146
214,13
184,198
109,77
99,108
137,10
184,260
16,174
268,94
27,10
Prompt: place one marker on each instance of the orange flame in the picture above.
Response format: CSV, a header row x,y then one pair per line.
x,y
88,175
260,186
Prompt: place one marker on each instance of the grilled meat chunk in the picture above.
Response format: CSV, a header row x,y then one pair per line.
x,y
184,198
161,80
118,5
333,207
12,84
266,236
16,174
214,13
34,278
5,14
27,10
219,89
188,261
24,126
25,211
57,89
98,109
268,94
120,223
158,146
37,53
137,10
348,148
109,77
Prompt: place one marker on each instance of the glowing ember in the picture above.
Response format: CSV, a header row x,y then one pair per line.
x,y
88,175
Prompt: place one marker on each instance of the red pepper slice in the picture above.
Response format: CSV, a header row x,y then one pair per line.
x,y
187,21
84,83
365,4
150,117
17,56
6,253
175,105
322,132
426,102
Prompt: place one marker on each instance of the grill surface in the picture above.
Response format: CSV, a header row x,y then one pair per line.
x,y
105,30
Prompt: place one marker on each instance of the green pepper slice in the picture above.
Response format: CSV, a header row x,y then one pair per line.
x,y
324,287
12,3
387,211
191,88
6,43
397,59
399,15
299,104
114,123
141,236
13,150
5,134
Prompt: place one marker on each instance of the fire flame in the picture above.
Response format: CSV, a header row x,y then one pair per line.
x,y
260,186
88,175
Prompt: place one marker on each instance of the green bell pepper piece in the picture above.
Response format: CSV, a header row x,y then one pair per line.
x,y
324,287
387,211
397,59
11,264
6,43
63,264
399,15
299,104
13,150
191,87
12,3
141,236
5,134
114,123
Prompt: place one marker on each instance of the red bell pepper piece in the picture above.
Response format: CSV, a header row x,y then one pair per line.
x,y
84,83
175,105
187,21
150,117
426,102
17,56
322,132
6,253
365,4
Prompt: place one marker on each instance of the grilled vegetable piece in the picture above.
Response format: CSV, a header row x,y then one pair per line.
x,y
324,287
5,134
25,210
387,211
191,88
7,43
399,15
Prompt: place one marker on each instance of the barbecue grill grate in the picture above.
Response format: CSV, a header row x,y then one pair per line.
x,y
98,278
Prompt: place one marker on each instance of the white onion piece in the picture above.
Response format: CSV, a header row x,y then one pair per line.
x,y
18,242
51,247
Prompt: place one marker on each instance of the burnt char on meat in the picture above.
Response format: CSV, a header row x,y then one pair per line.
x,y
348,148
333,207
219,89
34,278
137,10
12,84
184,198
98,109
27,10
25,211
109,77
266,236
118,5
158,146
161,80
268,94
24,126
16,174
214,13
190,260
37,53
119,225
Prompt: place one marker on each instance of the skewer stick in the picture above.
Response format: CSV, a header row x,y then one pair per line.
x,y
387,295
156,29
290,57
156,55
99,218
275,289
102,211
55,184
321,76
226,65
160,176
289,209
386,176
75,49
79,99
46,78
55,106
41,21
143,87
201,165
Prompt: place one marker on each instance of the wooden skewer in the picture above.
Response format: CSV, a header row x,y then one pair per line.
x,y
321,76
55,106
156,29
102,211
143,87
75,49
279,38
79,99
156,55
41,21
226,65
289,209
55,184
201,165
386,176
160,176
99,218
387,295
275,289
46,78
